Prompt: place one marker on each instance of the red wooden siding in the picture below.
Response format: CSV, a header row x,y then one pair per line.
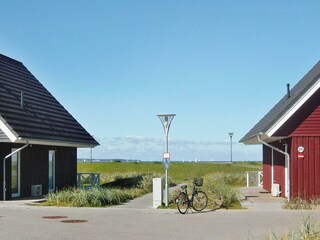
x,y
310,126
305,121
278,166
305,173
267,168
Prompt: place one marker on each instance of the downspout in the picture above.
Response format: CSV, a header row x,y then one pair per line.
x,y
4,168
284,153
272,167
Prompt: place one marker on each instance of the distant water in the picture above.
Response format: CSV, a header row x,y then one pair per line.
x,y
134,160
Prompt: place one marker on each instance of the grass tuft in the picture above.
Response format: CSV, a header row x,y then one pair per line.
x,y
309,230
127,187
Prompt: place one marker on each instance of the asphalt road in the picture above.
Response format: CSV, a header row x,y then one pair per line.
x,y
139,221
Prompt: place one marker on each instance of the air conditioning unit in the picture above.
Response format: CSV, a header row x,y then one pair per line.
x,y
36,190
275,190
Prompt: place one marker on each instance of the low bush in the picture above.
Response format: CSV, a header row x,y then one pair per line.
x,y
90,198
299,203
122,189
309,230
220,189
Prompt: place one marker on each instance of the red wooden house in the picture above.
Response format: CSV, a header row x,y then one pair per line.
x,y
290,135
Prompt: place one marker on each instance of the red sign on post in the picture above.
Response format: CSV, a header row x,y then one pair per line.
x,y
166,155
300,156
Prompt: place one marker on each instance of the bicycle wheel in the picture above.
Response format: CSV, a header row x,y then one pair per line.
x,y
199,201
182,203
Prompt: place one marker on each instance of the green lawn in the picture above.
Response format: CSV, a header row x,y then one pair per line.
x,y
178,171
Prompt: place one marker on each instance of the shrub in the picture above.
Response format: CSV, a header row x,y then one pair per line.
x,y
121,189
309,230
91,198
218,187
299,203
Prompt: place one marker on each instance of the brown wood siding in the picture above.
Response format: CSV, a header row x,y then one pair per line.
x,y
305,173
34,167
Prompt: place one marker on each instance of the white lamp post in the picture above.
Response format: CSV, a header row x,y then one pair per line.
x,y
166,120
230,135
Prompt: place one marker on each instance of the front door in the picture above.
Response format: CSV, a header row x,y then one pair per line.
x,y
51,171
15,174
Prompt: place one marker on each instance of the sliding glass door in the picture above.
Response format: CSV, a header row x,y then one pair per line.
x,y
51,180
15,174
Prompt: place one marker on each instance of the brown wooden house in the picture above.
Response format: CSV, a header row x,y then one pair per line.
x,y
290,135
38,137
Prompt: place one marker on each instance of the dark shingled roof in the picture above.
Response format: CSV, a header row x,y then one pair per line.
x,y
41,117
285,103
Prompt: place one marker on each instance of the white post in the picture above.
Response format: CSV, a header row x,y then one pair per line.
x,y
248,180
167,190
157,192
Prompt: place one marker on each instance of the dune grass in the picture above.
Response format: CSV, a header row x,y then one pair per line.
x,y
122,181
309,230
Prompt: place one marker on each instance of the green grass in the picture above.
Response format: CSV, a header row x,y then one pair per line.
x,y
179,172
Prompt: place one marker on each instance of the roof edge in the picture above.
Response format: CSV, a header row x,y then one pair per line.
x,y
253,140
295,107
56,143
8,130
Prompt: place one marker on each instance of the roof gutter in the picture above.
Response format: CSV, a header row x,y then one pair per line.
x,y
56,143
284,153
4,168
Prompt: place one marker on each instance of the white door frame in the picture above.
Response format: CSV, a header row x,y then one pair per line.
x,y
286,170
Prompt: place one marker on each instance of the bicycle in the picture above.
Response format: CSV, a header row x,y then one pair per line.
x,y
198,200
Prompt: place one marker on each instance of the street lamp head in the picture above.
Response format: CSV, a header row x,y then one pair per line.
x,y
166,119
231,134
166,115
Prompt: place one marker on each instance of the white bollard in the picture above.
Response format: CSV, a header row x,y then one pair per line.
x,y
157,192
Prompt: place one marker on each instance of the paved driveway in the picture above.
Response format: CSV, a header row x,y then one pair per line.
x,y
134,221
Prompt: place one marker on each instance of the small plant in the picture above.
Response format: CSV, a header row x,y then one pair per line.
x,y
299,203
309,230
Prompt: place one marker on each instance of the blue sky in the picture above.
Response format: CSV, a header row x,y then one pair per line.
x,y
114,65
